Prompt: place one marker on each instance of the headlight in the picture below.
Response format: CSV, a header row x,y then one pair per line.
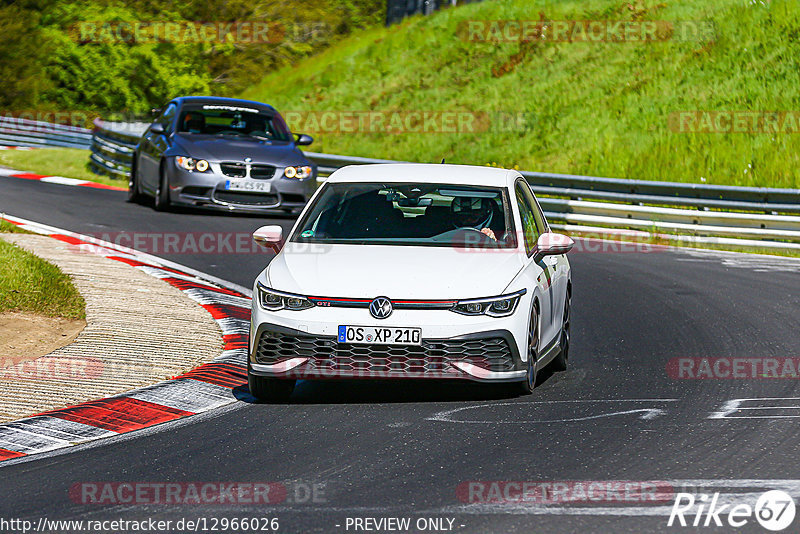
x,y
299,173
500,306
278,300
191,164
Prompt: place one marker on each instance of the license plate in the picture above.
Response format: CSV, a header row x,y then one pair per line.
x,y
375,335
245,185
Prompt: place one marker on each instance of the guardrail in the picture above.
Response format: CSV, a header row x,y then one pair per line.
x,y
749,217
17,131
112,147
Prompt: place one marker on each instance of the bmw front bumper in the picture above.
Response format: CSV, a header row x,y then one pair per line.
x,y
209,190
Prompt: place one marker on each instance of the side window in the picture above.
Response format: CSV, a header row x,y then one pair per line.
x,y
167,116
526,210
541,222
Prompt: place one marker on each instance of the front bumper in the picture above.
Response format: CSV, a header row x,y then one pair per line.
x,y
487,356
207,190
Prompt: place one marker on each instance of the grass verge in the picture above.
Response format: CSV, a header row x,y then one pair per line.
x,y
30,284
68,162
589,107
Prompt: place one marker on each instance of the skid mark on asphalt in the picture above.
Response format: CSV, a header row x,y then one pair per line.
x,y
598,409
754,262
204,388
759,408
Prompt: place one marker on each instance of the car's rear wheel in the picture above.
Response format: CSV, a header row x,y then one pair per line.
x,y
161,201
270,389
134,195
560,361
526,386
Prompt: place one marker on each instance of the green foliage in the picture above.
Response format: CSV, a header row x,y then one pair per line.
x,y
599,108
21,53
57,60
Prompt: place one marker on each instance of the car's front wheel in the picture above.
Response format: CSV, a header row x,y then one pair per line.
x,y
161,202
526,387
134,195
270,389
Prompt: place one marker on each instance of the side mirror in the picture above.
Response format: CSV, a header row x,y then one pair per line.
x,y
269,237
303,139
157,128
551,244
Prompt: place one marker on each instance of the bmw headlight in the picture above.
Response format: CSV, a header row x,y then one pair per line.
x,y
298,173
273,300
500,306
191,164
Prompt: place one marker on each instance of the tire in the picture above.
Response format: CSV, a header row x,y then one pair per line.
x,y
270,389
560,361
134,194
526,386
161,200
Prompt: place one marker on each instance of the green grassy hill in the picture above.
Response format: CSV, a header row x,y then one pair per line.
x,y
597,108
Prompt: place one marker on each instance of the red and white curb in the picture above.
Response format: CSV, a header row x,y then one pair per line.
x,y
23,148
63,180
204,388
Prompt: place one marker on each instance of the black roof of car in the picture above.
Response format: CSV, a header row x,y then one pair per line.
x,y
221,101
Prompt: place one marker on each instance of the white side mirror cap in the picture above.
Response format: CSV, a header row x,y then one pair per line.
x,y
269,236
551,244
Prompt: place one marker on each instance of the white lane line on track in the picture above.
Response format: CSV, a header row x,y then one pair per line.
x,y
446,416
63,180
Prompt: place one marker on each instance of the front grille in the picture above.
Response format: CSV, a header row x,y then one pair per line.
x,y
249,199
432,357
234,170
262,172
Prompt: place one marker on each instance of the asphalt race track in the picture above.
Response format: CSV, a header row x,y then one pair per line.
x,y
407,449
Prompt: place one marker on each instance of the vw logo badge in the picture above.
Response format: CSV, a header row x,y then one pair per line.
x,y
380,308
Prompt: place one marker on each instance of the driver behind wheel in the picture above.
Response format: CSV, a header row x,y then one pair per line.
x,y
473,212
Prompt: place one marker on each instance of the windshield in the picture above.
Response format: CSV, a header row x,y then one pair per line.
x,y
409,214
233,120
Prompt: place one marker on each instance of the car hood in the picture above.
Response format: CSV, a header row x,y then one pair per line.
x,y
397,272
215,148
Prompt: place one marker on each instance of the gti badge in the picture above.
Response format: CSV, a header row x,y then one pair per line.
x,y
380,308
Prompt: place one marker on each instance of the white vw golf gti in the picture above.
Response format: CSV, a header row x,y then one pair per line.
x,y
412,271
